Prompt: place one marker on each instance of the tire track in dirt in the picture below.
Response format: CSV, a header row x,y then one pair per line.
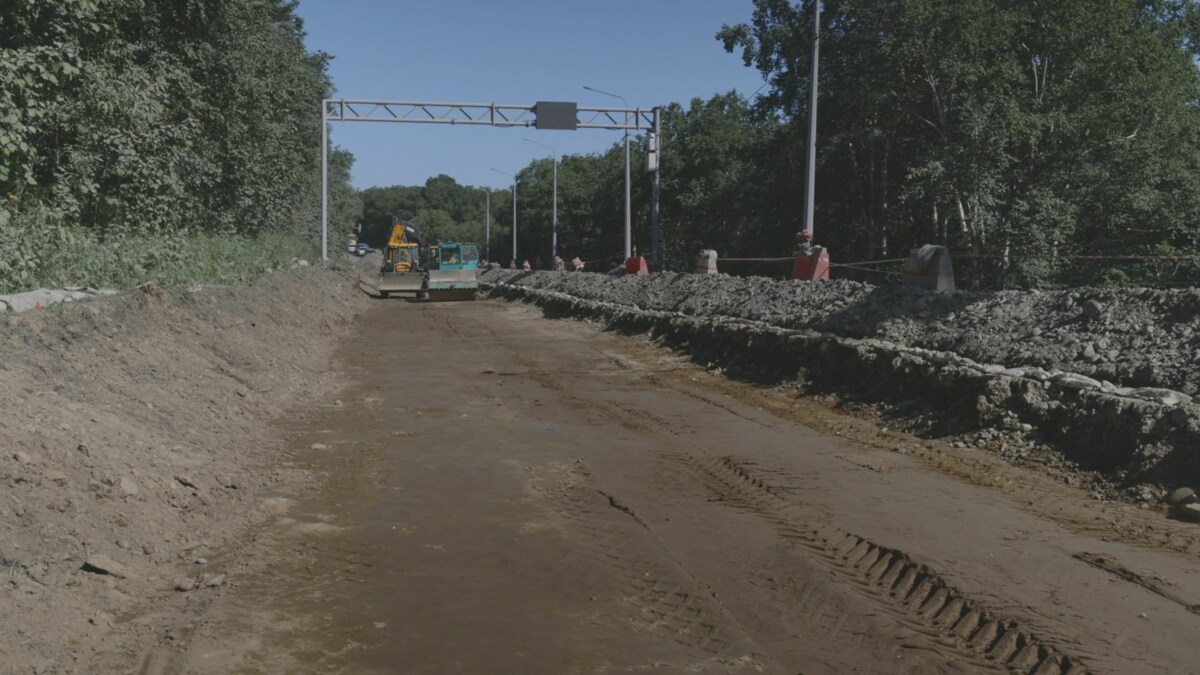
x,y
667,600
1034,493
913,593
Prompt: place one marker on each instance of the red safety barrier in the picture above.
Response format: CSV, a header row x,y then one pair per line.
x,y
813,266
637,265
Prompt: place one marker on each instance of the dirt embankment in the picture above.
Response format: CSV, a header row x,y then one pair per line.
x,y
137,445
1105,376
1133,337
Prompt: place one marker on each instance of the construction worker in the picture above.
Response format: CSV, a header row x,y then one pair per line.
x,y
559,265
577,263
525,265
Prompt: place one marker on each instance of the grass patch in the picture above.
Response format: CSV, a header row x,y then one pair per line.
x,y
37,250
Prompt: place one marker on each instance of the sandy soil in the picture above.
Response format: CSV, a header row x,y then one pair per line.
x,y
504,493
135,447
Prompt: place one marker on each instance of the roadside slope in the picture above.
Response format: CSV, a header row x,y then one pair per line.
x,y
137,441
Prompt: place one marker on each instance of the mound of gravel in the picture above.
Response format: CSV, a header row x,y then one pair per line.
x,y
1130,337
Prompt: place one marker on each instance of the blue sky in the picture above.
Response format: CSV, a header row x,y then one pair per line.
x,y
652,52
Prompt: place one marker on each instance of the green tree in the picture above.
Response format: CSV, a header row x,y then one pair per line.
x,y
153,117
1004,128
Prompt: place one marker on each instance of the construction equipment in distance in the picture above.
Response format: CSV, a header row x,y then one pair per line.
x,y
452,270
403,270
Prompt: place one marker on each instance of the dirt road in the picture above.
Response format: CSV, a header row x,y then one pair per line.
x,y
507,493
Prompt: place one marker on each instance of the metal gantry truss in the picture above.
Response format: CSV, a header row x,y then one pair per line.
x,y
488,114
483,114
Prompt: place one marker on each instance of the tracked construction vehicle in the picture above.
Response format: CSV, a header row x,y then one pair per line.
x,y
452,271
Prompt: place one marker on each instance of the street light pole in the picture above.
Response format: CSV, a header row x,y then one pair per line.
x,y
514,220
628,207
487,225
810,188
324,182
554,217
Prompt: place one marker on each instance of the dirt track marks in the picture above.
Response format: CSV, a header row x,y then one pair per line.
x,y
667,599
1040,495
912,592
1125,574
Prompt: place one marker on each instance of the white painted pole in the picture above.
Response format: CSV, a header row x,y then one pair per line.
x,y
324,182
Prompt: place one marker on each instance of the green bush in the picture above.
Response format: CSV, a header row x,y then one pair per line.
x,y
38,249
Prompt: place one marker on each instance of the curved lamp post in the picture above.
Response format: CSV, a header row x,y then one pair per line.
x,y
515,181
554,217
628,211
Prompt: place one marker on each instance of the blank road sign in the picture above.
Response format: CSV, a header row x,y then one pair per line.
x,y
556,115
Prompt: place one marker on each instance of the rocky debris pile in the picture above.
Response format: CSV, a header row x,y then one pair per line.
x,y
135,432
1132,435
1129,337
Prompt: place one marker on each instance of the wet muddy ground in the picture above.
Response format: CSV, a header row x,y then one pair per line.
x,y
507,493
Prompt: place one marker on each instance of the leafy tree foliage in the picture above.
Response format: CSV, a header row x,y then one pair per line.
x,y
442,208
1007,128
156,117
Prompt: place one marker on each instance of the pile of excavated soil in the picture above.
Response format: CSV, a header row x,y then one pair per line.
x,y
1132,337
997,370
137,443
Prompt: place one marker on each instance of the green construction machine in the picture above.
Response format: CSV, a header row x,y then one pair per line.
x,y
452,272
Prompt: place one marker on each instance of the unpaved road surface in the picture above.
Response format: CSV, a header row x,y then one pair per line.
x,y
507,493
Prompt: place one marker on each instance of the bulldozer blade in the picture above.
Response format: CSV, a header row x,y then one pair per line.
x,y
452,280
401,282
451,295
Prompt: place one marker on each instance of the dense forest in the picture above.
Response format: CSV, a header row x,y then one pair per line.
x,y
1012,129
165,139
1027,136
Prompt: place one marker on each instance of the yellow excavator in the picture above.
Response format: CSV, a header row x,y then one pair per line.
x,y
403,269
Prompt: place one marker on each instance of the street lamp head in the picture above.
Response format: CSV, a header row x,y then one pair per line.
x,y
606,93
512,176
530,140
